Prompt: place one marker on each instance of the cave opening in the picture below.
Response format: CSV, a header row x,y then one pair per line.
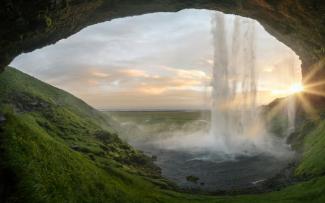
x,y
152,74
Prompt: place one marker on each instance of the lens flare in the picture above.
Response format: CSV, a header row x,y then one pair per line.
x,y
296,88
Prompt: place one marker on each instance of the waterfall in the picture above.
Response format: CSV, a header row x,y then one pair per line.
x,y
291,101
220,84
234,115
291,112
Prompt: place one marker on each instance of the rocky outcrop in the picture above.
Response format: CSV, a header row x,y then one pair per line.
x,y
28,25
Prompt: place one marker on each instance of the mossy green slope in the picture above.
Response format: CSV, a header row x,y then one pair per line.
x,y
45,170
55,148
70,121
313,160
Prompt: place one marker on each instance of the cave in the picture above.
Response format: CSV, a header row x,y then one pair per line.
x,y
27,26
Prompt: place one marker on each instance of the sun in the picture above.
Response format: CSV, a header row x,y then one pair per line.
x,y
296,88
293,89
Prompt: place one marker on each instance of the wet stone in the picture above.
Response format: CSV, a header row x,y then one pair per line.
x,y
2,118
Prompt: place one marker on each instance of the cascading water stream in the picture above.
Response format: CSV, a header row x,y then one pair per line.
x,y
236,126
291,103
234,115
220,87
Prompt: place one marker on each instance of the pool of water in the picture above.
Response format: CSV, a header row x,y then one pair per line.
x,y
215,172
171,137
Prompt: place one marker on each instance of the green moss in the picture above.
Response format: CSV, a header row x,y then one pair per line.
x,y
59,149
313,161
47,170
48,21
192,179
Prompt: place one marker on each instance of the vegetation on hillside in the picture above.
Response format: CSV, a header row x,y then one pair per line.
x,y
56,148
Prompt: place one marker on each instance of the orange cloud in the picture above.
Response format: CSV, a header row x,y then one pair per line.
x,y
134,73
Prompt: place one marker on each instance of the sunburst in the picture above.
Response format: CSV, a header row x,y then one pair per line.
x,y
296,88
312,86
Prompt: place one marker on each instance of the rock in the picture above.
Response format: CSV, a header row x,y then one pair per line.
x,y
76,148
154,158
192,179
2,118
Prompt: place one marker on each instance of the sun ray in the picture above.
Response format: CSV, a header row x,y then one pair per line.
x,y
315,84
315,68
307,107
316,92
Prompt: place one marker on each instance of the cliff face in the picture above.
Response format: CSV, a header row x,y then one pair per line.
x,y
28,25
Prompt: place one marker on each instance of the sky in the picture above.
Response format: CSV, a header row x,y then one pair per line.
x,y
153,61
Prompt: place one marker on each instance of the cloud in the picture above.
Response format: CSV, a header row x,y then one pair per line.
x,y
188,74
159,59
99,74
134,73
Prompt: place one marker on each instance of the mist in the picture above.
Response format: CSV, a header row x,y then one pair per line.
x,y
195,138
234,125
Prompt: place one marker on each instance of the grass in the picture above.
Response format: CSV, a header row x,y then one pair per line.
x,y
313,161
56,148
158,117
142,126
